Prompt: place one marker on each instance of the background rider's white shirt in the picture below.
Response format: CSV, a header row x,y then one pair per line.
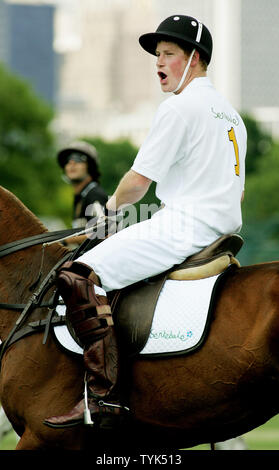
x,y
195,142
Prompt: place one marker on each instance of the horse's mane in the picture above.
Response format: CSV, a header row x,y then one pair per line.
x,y
16,220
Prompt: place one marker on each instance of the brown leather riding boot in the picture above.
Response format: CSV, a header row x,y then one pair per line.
x,y
90,322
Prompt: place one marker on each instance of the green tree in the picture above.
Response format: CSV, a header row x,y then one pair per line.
x,y
260,207
258,143
116,158
261,190
28,166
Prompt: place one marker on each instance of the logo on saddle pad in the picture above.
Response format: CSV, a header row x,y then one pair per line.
x,y
169,335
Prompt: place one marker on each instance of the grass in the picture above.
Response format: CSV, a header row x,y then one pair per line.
x,y
265,437
9,441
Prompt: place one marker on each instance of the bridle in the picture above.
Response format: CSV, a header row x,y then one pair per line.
x,y
35,300
24,243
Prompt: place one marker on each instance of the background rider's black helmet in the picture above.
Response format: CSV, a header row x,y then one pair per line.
x,y
184,30
83,148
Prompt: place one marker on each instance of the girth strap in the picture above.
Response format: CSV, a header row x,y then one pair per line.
x,y
35,327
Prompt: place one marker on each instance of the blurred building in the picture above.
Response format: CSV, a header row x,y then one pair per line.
x,y
259,75
108,85
28,35
3,32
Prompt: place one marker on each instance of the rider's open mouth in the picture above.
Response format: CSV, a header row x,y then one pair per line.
x,y
162,75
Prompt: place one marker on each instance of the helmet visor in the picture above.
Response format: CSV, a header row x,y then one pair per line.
x,y
76,157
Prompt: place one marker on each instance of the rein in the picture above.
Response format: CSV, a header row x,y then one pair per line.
x,y
24,243
46,237
35,300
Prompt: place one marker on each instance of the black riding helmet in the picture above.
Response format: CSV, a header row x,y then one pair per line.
x,y
185,30
82,148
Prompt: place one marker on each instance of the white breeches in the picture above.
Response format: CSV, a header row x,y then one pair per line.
x,y
145,249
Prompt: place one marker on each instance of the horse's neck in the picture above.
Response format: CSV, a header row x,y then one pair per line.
x,y
21,269
22,225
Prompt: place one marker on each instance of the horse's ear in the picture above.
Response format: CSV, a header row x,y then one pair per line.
x,y
19,220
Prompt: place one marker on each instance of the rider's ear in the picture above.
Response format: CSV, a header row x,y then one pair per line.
x,y
195,59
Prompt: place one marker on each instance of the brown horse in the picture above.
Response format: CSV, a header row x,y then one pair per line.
x,y
224,389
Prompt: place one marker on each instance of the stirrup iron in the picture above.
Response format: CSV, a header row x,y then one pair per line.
x,y
87,415
112,405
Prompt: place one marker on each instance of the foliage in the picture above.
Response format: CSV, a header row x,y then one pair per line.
x,y
258,143
116,158
27,164
261,192
260,207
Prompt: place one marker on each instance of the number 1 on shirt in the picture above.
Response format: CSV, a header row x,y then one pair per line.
x,y
233,140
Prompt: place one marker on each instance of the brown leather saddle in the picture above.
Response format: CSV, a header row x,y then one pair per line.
x,y
133,307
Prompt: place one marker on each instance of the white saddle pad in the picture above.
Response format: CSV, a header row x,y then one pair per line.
x,y
180,315
179,318
63,336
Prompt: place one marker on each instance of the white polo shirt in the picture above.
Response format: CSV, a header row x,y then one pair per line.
x,y
195,151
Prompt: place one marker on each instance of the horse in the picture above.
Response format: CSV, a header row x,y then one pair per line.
x,y
224,389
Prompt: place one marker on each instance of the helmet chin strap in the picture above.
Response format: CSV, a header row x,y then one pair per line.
x,y
185,72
